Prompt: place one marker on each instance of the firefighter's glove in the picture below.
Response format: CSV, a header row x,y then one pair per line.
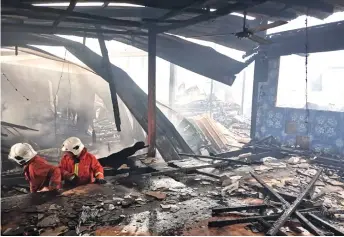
x,y
100,181
74,180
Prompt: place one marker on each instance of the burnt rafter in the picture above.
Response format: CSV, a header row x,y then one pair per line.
x,y
39,29
51,18
240,6
109,76
70,8
181,10
312,5
48,10
150,4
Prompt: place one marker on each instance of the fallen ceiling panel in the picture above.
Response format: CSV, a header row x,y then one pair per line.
x,y
169,141
269,10
200,59
327,37
186,54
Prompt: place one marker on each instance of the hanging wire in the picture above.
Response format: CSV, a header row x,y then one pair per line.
x,y
306,72
58,85
15,88
70,92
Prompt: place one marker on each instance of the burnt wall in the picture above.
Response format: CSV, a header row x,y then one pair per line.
x,y
317,130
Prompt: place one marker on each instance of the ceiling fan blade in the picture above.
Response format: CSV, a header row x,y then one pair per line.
x,y
210,35
268,26
259,40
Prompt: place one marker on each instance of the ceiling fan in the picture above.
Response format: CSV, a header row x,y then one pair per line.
x,y
250,33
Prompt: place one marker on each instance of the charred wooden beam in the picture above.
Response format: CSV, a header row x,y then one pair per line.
x,y
286,214
216,211
113,91
152,93
208,174
190,169
257,157
11,125
240,162
222,223
335,230
268,225
136,171
308,225
234,153
226,222
270,190
287,196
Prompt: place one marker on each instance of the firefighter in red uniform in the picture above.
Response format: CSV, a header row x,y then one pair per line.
x,y
78,166
41,175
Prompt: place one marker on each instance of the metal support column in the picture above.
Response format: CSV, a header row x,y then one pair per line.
x,y
152,93
243,93
211,98
260,75
172,89
108,68
255,95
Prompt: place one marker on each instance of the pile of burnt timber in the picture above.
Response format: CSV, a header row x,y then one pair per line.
x,y
309,218
329,162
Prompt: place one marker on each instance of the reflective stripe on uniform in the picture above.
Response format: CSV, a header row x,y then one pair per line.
x,y
76,168
98,173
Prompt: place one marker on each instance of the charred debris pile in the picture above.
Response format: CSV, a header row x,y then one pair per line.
x,y
261,188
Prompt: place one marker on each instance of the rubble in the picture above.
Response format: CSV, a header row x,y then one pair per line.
x,y
55,231
229,189
294,160
111,207
164,183
157,195
49,221
165,207
169,204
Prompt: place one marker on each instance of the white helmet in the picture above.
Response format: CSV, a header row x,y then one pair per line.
x,y
74,145
22,153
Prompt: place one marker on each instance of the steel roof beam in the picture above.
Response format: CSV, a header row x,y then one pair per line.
x,y
41,16
211,15
311,5
39,29
151,5
45,10
70,8
181,10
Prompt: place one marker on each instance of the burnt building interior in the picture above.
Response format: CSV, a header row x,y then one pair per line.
x,y
209,167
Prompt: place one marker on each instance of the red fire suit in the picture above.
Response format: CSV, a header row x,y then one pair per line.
x,y
41,174
87,167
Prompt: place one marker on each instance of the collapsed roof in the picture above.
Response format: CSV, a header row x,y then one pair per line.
x,y
24,24
204,20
